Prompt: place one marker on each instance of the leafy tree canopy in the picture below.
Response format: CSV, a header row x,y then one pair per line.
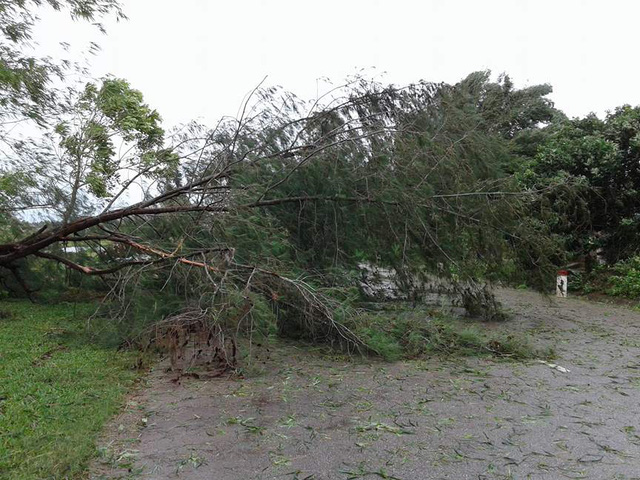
x,y
25,79
603,157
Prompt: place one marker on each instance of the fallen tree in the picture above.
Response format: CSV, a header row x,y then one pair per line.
x,y
401,175
418,179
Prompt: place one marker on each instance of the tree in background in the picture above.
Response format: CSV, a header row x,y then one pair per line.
x,y
602,158
26,80
28,95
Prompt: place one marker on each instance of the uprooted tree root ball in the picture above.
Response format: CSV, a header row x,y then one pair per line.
x,y
194,339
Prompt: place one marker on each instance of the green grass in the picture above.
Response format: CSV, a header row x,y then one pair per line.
x,y
57,389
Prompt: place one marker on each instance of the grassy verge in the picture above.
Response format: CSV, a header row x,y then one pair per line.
x,y
57,389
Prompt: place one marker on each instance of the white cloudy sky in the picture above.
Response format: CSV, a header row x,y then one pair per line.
x,y
198,58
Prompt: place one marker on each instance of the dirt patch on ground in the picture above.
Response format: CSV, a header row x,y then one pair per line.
x,y
313,417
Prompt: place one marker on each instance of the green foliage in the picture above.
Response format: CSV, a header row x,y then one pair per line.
x,y
382,343
620,280
508,111
407,333
26,90
10,228
447,140
419,179
115,110
257,237
57,389
125,108
51,282
104,134
29,97
601,158
625,281
263,320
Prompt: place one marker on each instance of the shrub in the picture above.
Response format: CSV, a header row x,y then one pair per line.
x,y
626,280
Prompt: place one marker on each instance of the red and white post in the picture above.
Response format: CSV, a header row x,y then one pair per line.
x,y
562,283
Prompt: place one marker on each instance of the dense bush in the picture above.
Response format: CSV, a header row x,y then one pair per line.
x,y
625,281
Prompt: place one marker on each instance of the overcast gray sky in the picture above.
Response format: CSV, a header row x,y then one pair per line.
x,y
198,58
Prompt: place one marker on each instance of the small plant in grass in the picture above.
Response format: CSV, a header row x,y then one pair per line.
x,y
194,461
247,423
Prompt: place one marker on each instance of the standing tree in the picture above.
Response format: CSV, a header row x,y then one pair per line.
x,y
602,157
